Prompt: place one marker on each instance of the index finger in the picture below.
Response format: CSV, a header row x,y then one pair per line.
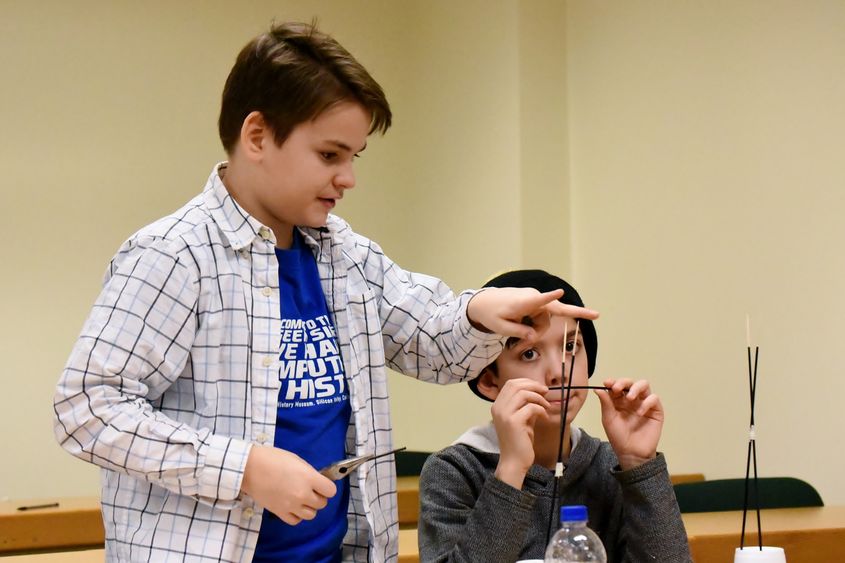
x,y
564,310
525,383
522,391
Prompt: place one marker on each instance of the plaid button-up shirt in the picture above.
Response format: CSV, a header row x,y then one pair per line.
x,y
176,374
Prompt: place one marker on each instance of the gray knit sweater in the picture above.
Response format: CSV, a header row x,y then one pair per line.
x,y
467,515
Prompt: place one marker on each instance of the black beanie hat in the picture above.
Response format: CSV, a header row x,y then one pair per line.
x,y
543,281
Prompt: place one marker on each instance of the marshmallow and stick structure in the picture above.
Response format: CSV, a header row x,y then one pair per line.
x,y
752,443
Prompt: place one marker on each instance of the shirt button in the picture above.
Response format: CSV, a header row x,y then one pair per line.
x,y
248,512
244,252
267,361
267,291
262,437
264,233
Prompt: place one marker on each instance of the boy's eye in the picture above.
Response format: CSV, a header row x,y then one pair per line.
x,y
328,155
529,355
572,347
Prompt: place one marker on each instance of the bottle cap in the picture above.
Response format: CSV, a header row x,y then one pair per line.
x,y
573,513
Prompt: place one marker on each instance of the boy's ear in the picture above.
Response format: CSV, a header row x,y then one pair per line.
x,y
487,384
254,132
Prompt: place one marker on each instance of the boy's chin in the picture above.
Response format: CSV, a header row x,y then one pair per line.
x,y
316,223
553,421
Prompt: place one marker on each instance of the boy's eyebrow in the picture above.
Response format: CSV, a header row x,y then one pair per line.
x,y
513,340
344,146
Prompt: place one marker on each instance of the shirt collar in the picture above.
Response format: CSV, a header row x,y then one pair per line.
x,y
241,229
238,226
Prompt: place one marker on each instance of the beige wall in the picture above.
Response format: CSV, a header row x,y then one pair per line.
x,y
708,182
680,161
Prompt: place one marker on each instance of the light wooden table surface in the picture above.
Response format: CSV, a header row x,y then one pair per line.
x,y
75,522
808,535
82,556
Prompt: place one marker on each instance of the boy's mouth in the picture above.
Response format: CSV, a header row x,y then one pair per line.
x,y
556,398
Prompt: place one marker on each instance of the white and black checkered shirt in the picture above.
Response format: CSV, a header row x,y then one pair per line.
x,y
176,374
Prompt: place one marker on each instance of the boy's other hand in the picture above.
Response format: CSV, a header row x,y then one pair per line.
x,y
519,403
285,484
632,420
507,310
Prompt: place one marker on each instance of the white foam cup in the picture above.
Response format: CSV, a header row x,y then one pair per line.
x,y
753,554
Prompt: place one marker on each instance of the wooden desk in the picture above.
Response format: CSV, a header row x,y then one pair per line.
x,y
76,522
808,535
686,478
82,556
408,500
409,551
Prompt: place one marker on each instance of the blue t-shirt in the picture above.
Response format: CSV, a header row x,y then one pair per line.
x,y
312,412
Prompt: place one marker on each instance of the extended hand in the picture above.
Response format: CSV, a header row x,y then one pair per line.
x,y
283,483
503,310
632,421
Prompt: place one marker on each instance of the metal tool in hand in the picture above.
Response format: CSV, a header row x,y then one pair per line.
x,y
341,469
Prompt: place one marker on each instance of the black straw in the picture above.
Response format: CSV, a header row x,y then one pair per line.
x,y
752,454
568,387
39,506
597,387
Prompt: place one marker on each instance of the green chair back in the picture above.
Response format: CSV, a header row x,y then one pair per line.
x,y
409,463
728,494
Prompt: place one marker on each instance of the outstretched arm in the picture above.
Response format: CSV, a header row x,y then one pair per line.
x,y
434,335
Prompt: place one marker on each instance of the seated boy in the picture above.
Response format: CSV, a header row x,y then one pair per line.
x,y
489,496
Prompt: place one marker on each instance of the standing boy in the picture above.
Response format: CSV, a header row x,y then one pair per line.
x,y
241,343
489,497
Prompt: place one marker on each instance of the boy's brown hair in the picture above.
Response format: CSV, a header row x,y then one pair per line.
x,y
292,74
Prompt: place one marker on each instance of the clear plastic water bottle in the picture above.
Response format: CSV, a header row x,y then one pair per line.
x,y
574,541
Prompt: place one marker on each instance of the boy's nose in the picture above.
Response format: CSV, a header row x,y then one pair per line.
x,y
553,371
345,178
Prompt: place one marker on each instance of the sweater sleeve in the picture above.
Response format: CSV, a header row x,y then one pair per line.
x,y
466,518
652,528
